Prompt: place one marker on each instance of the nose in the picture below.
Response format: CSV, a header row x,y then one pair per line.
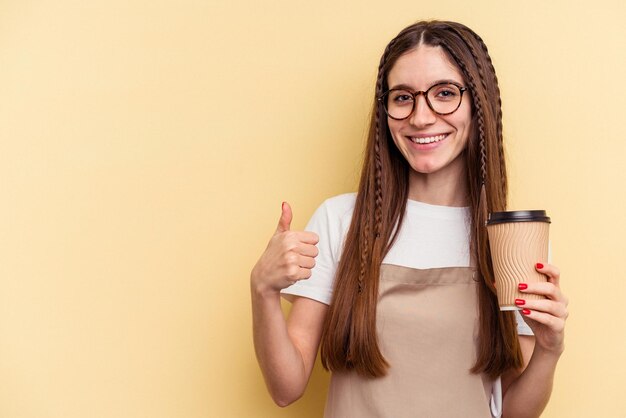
x,y
422,114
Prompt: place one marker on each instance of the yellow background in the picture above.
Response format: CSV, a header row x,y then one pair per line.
x,y
146,146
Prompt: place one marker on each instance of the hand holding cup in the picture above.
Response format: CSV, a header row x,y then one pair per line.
x,y
545,316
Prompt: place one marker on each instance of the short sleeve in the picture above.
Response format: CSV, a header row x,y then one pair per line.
x,y
329,223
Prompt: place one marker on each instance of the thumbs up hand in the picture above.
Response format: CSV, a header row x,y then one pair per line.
x,y
289,257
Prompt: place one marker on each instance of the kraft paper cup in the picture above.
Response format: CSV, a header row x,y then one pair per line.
x,y
518,240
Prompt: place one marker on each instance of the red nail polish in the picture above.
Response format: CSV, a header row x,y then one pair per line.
x,y
526,311
522,286
520,301
539,265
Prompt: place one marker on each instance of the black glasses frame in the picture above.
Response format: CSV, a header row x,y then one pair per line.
x,y
383,96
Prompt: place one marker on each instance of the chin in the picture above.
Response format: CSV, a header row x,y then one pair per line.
x,y
425,168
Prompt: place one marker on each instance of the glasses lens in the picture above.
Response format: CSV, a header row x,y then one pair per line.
x,y
444,98
399,103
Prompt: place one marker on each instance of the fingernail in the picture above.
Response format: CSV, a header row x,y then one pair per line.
x,y
522,286
282,206
526,311
539,265
520,301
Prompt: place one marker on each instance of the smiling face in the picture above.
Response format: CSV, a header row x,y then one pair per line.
x,y
431,143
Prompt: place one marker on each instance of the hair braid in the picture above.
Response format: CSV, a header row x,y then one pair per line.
x,y
499,129
492,70
364,252
378,189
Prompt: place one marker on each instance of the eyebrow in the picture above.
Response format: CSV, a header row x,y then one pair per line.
x,y
407,87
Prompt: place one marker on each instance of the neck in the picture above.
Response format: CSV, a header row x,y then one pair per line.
x,y
447,188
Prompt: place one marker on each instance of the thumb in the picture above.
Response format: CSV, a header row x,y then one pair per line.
x,y
285,218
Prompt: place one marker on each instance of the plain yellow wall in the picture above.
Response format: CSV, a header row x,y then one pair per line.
x,y
146,146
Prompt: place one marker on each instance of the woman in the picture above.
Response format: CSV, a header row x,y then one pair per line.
x,y
396,282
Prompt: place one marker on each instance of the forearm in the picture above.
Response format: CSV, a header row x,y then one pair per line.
x,y
280,360
529,394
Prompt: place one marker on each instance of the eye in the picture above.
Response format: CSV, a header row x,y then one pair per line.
x,y
401,97
445,92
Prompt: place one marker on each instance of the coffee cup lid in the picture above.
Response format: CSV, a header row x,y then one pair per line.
x,y
518,216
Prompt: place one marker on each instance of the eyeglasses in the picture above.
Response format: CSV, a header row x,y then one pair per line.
x,y
442,98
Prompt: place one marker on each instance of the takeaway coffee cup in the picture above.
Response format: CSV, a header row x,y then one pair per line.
x,y
518,240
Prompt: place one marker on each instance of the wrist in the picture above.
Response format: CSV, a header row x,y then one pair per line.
x,y
262,291
554,352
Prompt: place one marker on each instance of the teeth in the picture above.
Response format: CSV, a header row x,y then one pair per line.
x,y
428,139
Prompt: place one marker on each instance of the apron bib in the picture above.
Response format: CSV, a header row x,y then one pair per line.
x,y
427,327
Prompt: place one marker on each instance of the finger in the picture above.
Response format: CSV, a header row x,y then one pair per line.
x,y
554,308
551,271
554,323
298,273
304,273
307,237
306,262
284,223
307,250
547,289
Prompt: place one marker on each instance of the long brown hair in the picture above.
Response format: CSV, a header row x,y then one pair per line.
x,y
349,340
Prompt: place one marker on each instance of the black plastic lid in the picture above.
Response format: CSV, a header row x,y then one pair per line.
x,y
518,216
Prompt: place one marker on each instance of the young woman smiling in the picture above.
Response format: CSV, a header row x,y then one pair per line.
x,y
395,282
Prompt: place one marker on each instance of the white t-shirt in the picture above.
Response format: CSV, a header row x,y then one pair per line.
x,y
431,236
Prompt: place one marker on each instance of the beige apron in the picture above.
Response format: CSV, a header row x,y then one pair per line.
x,y
427,325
